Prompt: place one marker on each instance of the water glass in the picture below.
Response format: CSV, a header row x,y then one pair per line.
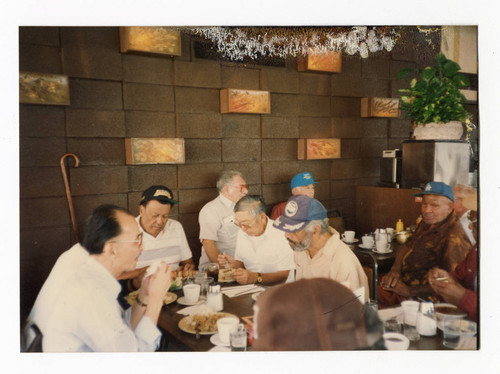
x,y
205,284
392,325
238,339
451,332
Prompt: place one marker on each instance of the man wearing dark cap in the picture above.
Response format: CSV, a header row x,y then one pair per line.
x,y
301,184
164,238
439,241
318,250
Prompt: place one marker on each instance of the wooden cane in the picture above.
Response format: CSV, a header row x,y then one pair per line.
x,y
68,192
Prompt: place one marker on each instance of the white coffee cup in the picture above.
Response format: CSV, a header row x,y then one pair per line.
x,y
368,241
382,246
390,233
348,236
225,326
191,292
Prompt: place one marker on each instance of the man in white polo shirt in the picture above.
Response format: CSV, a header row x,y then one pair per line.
x,y
218,227
262,252
164,237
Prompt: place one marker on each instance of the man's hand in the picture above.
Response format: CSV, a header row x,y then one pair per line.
x,y
401,289
390,279
444,285
224,259
157,285
243,276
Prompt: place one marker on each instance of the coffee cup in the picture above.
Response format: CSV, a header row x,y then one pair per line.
x,y
348,236
382,246
368,241
390,233
225,326
191,293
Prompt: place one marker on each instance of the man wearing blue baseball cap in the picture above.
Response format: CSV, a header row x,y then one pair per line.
x,y
439,241
302,184
318,250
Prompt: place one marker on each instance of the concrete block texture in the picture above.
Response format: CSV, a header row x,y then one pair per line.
x,y
41,120
240,77
190,224
346,168
345,107
342,189
275,193
153,97
251,171
199,175
314,84
92,62
44,212
320,169
141,124
196,100
95,123
279,172
284,105
85,205
314,106
375,127
43,35
241,150
98,151
346,127
315,127
192,200
279,80
93,94
206,125
280,127
40,59
203,150
41,182
94,180
373,147
279,149
41,151
197,74
44,242
143,176
148,69
85,37
241,126
375,68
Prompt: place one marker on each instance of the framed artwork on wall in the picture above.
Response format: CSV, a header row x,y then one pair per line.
x,y
318,149
41,88
154,151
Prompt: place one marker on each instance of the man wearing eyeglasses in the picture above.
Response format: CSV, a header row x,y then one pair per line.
x,y
164,237
216,218
262,252
77,309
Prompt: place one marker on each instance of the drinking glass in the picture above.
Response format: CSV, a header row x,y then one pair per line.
x,y
238,339
426,319
392,325
205,284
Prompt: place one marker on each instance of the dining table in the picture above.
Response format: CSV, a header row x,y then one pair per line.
x,y
241,306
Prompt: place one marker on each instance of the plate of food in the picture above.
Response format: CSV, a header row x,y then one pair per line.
x,y
226,275
168,299
207,322
178,277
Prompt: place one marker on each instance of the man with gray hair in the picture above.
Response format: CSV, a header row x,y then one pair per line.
x,y
318,250
461,192
217,223
262,252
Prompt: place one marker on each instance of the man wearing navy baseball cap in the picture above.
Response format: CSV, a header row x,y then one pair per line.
x,y
318,250
439,241
301,184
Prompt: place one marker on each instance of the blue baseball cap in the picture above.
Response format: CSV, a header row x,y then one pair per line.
x,y
299,211
302,179
437,188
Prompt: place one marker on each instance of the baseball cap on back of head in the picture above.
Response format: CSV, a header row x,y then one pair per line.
x,y
437,188
161,193
299,210
302,179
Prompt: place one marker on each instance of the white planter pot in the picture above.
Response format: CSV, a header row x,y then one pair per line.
x,y
445,131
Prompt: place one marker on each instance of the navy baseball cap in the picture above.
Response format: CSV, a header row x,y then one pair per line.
x,y
302,179
161,193
437,188
299,211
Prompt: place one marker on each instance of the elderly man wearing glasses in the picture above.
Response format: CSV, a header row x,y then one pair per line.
x,y
77,309
262,252
216,218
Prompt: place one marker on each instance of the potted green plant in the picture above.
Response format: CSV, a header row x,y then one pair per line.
x,y
433,100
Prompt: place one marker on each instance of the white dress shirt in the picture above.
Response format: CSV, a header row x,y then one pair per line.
x,y
170,245
465,222
267,253
86,316
217,223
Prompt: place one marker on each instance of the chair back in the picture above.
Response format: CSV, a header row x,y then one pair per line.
x,y
370,266
336,220
32,339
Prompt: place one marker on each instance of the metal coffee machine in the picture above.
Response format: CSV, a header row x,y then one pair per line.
x,y
390,168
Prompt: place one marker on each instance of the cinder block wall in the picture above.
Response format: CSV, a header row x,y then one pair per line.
x,y
116,95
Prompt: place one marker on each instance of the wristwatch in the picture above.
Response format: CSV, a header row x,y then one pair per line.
x,y
259,278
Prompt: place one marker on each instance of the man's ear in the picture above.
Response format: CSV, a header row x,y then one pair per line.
x,y
109,249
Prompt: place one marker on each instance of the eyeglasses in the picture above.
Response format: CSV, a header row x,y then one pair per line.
x,y
242,187
138,241
245,226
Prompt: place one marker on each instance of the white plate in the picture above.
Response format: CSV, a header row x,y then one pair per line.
x,y
215,340
219,348
354,241
363,247
382,253
182,300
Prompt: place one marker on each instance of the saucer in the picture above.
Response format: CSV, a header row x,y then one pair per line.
x,y
381,253
215,340
363,247
219,348
182,300
354,241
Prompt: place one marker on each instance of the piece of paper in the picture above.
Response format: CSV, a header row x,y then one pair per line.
x,y
241,290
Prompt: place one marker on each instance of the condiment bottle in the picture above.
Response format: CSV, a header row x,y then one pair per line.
x,y
399,226
214,298
426,319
